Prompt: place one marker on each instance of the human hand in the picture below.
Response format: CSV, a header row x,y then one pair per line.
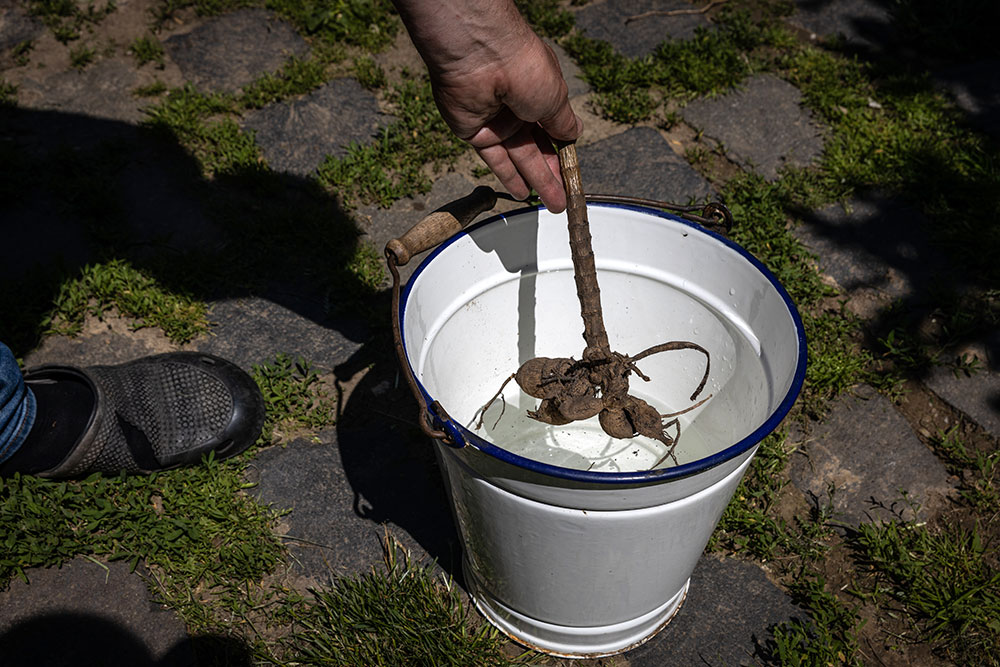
x,y
499,87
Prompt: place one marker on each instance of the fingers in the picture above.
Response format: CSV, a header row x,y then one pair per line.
x,y
498,160
526,161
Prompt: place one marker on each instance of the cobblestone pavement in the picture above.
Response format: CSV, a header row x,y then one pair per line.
x,y
349,481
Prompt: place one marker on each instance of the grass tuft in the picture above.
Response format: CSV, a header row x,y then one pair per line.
x,y
147,49
134,293
293,397
392,166
945,579
400,616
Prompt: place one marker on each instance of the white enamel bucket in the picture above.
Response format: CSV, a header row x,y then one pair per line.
x,y
572,545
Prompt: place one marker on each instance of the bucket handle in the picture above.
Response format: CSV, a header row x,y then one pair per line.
x,y
443,223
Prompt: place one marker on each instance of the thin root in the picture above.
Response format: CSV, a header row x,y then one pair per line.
x,y
482,411
673,443
679,345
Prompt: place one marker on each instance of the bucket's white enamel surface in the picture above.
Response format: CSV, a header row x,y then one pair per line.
x,y
572,544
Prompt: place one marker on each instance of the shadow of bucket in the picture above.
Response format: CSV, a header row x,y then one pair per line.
x,y
572,544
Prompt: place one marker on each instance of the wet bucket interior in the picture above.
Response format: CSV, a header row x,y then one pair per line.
x,y
573,545
504,293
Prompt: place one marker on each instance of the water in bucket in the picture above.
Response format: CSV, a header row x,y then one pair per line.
x,y
640,311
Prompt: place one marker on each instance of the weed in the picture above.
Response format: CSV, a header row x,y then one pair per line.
x,y
117,284
22,52
150,90
193,527
393,165
292,395
895,131
764,206
714,60
370,24
747,526
66,18
296,77
836,360
548,17
942,579
82,56
400,616
979,471
8,94
829,638
220,146
147,50
369,73
368,267
166,9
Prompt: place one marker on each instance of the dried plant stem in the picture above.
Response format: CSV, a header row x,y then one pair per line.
x,y
674,12
581,250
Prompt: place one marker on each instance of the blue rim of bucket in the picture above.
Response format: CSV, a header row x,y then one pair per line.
x,y
461,435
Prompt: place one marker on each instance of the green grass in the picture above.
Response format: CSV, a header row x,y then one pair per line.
x,y
400,616
193,527
630,89
21,52
8,94
67,18
150,90
369,73
81,56
297,76
147,49
393,165
978,470
292,396
830,635
368,24
944,579
134,294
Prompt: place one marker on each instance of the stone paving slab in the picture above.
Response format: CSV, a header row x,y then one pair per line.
x,y
103,90
228,52
619,23
296,136
86,613
380,225
16,26
761,125
976,90
347,487
43,234
875,246
727,619
253,330
575,82
867,452
109,340
640,163
976,395
861,24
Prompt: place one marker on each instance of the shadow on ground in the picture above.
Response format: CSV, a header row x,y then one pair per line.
x,y
78,190
85,640
273,253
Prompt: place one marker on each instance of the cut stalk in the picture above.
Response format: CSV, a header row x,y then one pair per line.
x,y
581,250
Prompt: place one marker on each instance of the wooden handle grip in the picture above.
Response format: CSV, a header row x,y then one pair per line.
x,y
441,225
